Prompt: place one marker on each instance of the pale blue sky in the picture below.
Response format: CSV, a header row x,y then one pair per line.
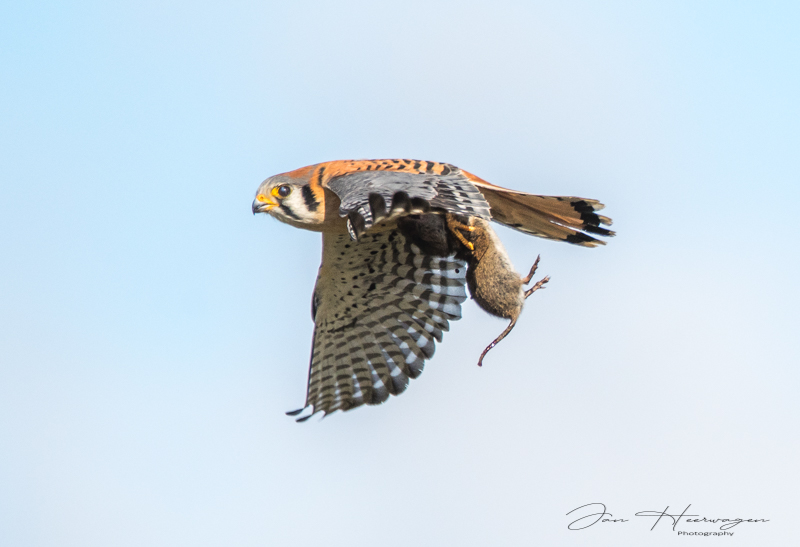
x,y
153,332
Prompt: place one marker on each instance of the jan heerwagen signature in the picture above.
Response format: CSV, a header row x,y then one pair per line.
x,y
590,514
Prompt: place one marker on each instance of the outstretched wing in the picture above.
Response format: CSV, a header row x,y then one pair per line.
x,y
373,190
379,304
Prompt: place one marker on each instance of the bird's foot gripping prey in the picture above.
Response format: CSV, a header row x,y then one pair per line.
x,y
492,280
401,239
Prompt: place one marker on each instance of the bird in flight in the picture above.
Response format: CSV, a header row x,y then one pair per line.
x,y
400,240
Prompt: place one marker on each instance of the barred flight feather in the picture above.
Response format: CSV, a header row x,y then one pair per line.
x,y
380,307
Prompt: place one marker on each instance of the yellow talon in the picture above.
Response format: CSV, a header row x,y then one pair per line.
x,y
463,239
455,227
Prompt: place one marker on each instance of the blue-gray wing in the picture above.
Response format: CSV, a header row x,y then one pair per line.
x,y
368,197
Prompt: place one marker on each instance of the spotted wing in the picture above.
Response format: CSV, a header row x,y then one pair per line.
x,y
368,197
379,305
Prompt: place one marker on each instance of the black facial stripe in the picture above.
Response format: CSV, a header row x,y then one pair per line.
x,y
308,197
288,212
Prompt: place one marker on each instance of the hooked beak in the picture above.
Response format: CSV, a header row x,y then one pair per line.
x,y
263,204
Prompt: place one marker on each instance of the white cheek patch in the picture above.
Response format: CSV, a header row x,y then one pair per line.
x,y
293,207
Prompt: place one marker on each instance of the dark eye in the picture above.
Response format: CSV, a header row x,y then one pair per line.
x,y
284,190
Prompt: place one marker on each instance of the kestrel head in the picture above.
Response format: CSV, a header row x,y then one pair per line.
x,y
289,197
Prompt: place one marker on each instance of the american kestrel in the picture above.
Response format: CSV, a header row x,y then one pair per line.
x,y
400,239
